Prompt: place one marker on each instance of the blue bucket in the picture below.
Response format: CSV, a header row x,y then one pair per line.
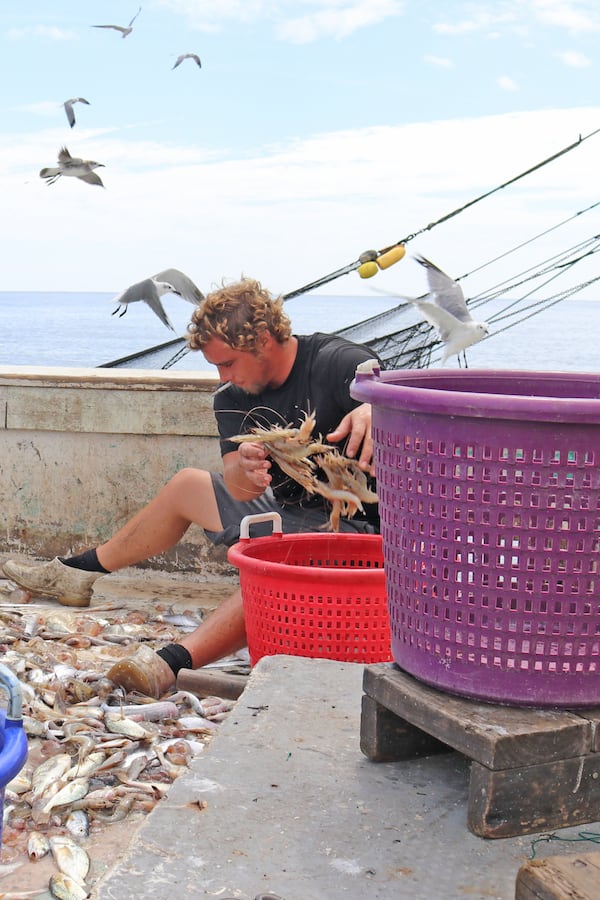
x,y
13,740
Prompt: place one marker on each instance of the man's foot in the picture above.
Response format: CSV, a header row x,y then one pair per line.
x,y
71,587
145,672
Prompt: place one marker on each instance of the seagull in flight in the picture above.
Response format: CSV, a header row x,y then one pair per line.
x,y
150,290
124,30
68,105
183,56
184,286
447,311
73,166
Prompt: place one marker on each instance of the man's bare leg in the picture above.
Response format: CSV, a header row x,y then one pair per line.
x,y
187,497
223,633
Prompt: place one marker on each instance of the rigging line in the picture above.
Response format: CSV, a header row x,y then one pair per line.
x,y
559,299
529,241
460,209
537,270
345,270
533,290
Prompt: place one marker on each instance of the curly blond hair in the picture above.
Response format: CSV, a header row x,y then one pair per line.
x,y
237,314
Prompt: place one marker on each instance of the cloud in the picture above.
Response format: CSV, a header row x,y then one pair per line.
x,y
440,61
521,18
337,20
321,18
575,16
334,194
481,20
507,83
574,59
50,32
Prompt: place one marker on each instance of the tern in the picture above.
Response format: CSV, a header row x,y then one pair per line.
x,y
183,56
68,105
184,286
447,311
125,30
73,166
150,290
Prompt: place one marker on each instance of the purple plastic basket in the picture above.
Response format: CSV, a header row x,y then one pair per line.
x,y
489,491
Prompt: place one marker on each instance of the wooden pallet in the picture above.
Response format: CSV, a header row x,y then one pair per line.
x,y
560,878
532,770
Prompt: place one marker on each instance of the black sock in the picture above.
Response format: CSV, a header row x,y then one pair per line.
x,y
88,561
176,657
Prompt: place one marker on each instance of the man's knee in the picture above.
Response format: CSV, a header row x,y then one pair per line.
x,y
192,479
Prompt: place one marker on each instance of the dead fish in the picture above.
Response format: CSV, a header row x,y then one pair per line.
x,y
37,845
195,723
63,887
71,859
48,773
119,724
184,623
78,823
21,783
73,790
148,712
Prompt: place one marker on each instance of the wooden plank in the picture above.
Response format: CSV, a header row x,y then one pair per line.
x,y
593,716
526,800
386,738
560,878
499,737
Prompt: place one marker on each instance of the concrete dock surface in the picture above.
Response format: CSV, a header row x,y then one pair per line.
x,y
283,801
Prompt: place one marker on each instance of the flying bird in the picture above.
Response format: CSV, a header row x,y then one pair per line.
x,y
183,285
125,30
183,56
68,104
447,311
73,166
150,290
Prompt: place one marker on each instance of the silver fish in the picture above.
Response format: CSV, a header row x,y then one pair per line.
x,y
71,859
77,822
48,773
63,887
73,790
119,724
37,845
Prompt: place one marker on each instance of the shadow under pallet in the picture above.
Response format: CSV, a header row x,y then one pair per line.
x,y
532,770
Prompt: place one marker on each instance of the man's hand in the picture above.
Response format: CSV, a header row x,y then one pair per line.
x,y
252,460
356,425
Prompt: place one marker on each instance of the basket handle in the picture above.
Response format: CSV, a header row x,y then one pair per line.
x,y
12,686
247,521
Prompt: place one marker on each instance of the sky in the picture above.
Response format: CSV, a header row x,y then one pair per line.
x,y
314,130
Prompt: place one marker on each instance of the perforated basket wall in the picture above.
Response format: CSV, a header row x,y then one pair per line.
x,y
489,489
316,595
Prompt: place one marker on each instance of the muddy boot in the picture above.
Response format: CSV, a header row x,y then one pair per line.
x,y
145,672
71,587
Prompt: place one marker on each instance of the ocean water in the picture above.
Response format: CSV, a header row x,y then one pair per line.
x,y
77,329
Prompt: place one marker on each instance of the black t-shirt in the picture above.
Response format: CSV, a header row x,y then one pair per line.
x,y
319,381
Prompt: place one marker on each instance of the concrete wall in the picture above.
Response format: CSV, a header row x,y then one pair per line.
x,y
82,449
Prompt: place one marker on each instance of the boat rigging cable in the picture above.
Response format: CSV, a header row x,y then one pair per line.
x,y
394,252
413,345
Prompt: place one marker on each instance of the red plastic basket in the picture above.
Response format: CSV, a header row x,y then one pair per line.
x,y
319,595
489,494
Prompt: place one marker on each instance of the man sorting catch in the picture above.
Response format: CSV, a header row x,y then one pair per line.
x,y
291,392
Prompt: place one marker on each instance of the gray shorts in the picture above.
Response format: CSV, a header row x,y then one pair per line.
x,y
293,519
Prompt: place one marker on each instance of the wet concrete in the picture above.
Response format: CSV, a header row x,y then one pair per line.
x,y
283,801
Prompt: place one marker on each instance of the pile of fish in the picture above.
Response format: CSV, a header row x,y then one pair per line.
x,y
95,755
